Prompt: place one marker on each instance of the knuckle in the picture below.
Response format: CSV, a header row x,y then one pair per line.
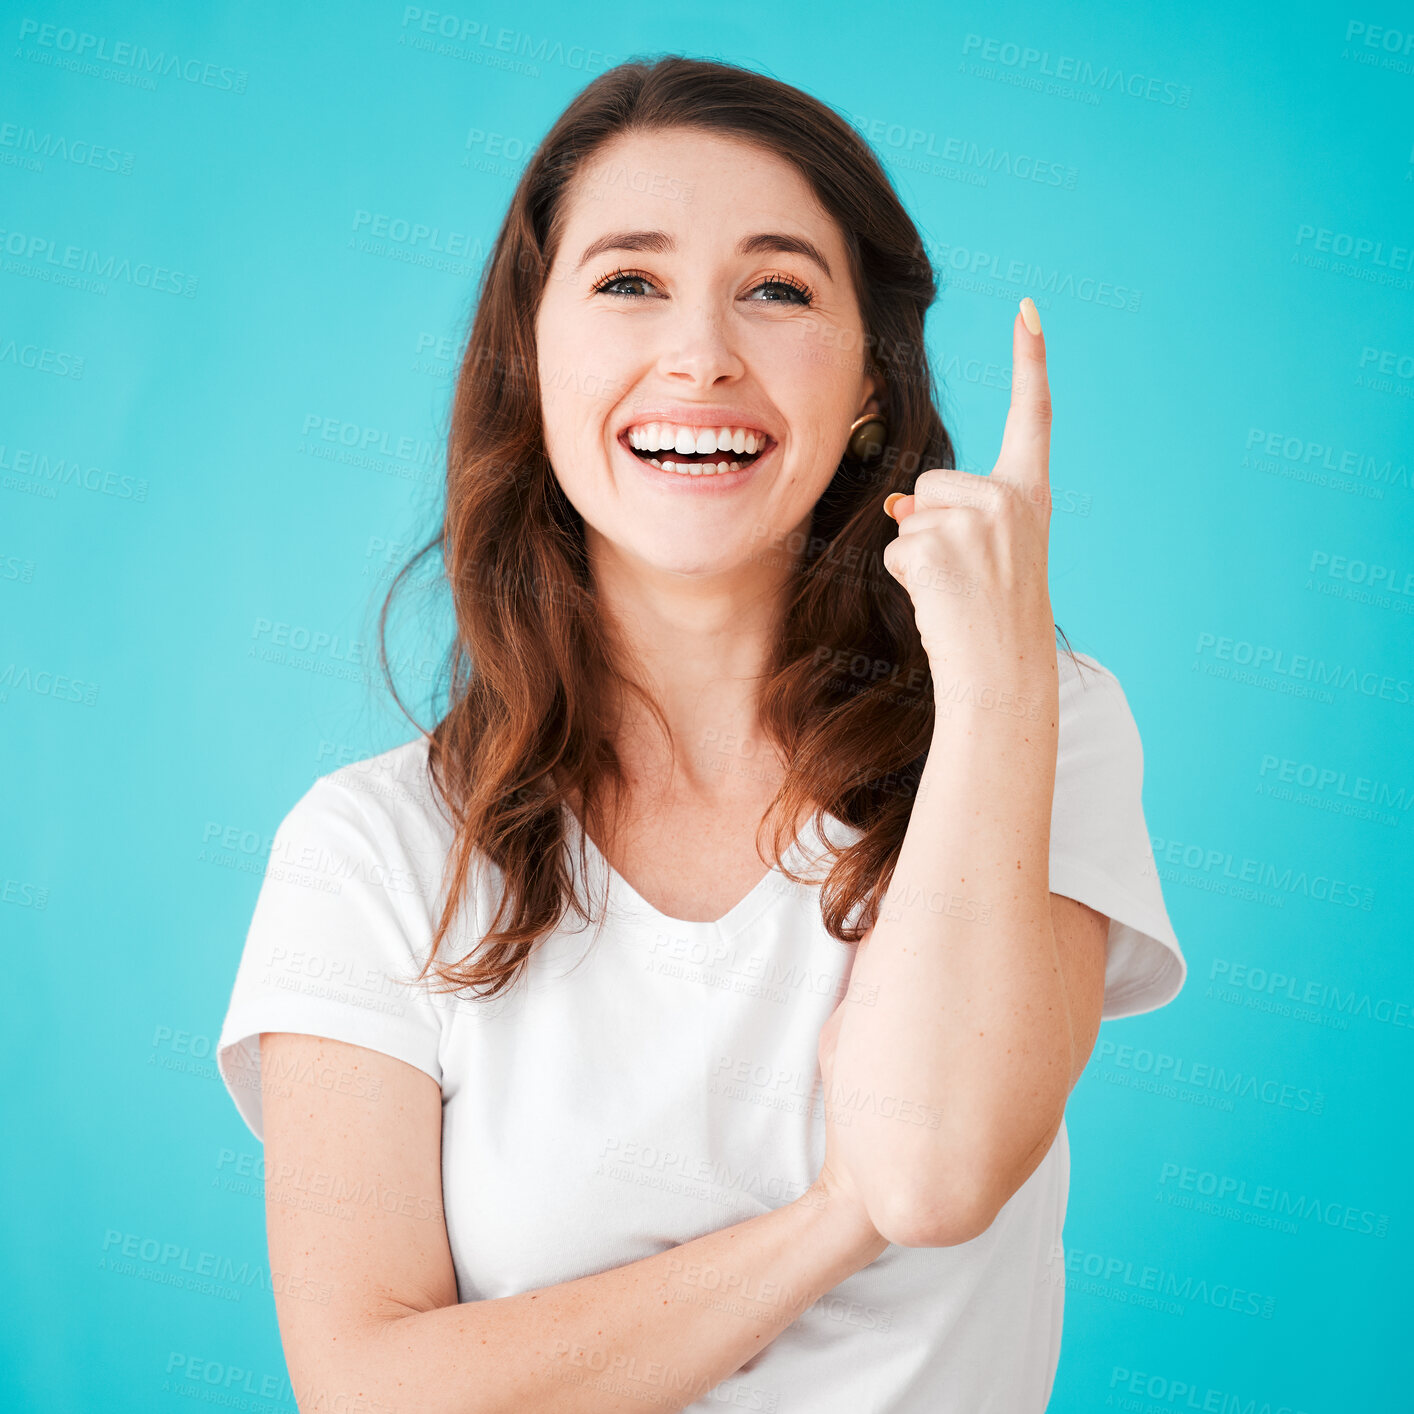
x,y
934,479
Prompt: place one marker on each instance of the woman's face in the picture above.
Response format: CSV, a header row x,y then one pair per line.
x,y
686,308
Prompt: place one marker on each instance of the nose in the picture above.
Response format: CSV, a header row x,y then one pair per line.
x,y
699,349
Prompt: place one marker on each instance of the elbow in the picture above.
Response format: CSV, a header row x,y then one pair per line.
x,y
935,1216
930,1199
930,1211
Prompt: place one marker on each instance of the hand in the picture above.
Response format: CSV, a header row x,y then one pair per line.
x,y
972,550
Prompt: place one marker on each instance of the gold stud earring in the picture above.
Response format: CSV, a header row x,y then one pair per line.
x,y
866,436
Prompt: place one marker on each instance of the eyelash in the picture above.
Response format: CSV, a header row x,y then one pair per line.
x,y
789,281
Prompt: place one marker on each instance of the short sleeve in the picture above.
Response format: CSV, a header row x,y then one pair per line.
x,y
340,928
1101,854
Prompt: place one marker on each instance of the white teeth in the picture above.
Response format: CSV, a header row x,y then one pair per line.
x,y
695,468
666,436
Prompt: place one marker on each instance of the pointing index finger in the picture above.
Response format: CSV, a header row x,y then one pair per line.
x,y
1026,441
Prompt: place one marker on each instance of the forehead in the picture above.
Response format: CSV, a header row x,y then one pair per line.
x,y
705,189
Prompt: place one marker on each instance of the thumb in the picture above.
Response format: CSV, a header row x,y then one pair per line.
x,y
899,506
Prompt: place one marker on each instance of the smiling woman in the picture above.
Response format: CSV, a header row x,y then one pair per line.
x,y
792,1140
715,333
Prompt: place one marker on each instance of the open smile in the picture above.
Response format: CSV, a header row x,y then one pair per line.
x,y
719,461
696,452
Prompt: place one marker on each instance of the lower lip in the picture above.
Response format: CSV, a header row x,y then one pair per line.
x,y
720,483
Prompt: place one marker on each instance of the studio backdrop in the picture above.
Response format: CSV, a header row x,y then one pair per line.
x,y
240,246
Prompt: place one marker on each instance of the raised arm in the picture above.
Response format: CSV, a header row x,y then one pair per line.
x,y
366,1292
985,988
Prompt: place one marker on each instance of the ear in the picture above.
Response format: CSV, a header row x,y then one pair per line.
x,y
872,391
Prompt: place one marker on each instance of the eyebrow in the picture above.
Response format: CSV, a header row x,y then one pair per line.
x,y
660,242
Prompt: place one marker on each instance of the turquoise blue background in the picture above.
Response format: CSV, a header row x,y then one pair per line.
x,y
167,500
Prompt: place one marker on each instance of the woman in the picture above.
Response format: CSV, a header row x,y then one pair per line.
x,y
781,1142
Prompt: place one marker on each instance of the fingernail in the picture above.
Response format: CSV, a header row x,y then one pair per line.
x,y
889,501
1030,316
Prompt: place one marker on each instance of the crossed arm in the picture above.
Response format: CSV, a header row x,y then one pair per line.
x,y
367,1296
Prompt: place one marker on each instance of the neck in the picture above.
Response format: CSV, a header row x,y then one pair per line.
x,y
698,644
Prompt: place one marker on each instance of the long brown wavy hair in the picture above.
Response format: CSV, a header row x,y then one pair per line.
x,y
847,698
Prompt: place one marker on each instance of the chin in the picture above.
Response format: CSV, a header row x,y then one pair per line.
x,y
689,557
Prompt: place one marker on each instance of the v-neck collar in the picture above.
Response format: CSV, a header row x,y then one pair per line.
x,y
769,889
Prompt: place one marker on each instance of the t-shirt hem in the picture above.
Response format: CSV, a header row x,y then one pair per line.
x,y
238,1049
1145,934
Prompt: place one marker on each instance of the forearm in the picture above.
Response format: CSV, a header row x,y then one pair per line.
x,y
960,1060
656,1333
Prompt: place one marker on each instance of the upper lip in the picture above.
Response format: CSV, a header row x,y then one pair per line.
x,y
696,415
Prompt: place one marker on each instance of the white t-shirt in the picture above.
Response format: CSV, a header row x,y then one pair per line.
x,y
659,1081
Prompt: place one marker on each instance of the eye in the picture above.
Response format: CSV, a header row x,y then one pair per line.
x,y
783,289
796,291
605,286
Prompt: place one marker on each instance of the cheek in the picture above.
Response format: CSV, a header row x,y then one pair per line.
x,y
576,411
560,359
826,365
812,366
584,371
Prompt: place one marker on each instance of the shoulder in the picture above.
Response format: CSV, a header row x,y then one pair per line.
x,y
394,785
1081,673
380,807
1088,689
1095,715
1099,739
